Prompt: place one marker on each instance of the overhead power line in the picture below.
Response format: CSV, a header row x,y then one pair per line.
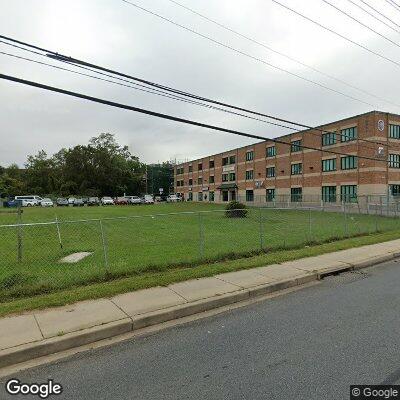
x,y
380,13
393,4
361,23
257,42
167,116
86,65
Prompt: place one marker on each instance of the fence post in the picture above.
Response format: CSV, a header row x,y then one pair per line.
x,y
201,236
376,219
58,232
19,234
309,225
261,229
104,243
346,230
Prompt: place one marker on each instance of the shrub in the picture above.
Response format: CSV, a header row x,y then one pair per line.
x,y
234,209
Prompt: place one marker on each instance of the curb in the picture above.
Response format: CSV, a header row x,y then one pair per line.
x,y
19,354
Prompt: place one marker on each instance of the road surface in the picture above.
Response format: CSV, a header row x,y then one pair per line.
x,y
308,344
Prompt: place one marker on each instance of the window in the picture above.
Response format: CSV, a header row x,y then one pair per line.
x,y
249,195
178,183
200,167
296,194
329,165
329,194
249,155
232,159
200,181
348,134
348,162
249,175
212,179
232,176
224,177
328,138
200,196
190,196
394,160
225,161
270,172
225,195
270,194
295,146
348,193
211,196
394,190
296,169
394,131
190,182
211,164
179,171
271,151
190,168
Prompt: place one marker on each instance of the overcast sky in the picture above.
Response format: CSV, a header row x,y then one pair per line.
x,y
114,34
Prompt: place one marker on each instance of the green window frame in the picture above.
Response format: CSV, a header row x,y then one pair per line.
x,y
269,194
190,168
270,172
190,182
296,169
328,138
211,196
190,196
394,131
225,161
348,162
394,160
295,146
271,151
232,159
329,194
249,195
225,177
212,179
348,193
348,134
249,175
232,176
394,190
200,196
296,194
250,155
329,165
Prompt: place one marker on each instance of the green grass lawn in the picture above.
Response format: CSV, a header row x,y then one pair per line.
x,y
153,238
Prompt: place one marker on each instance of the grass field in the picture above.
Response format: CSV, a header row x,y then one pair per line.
x,y
153,238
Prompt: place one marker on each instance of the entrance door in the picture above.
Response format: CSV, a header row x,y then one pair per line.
x,y
225,195
233,195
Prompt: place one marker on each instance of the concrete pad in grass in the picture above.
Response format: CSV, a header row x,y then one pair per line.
x,y
246,278
18,330
202,288
147,300
75,317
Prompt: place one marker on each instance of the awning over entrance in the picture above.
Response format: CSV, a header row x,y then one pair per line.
x,y
226,186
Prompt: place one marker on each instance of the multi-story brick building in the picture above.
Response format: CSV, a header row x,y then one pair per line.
x,y
267,169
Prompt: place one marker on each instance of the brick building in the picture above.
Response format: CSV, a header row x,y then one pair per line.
x,y
267,170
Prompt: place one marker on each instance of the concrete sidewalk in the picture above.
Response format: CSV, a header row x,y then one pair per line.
x,y
40,333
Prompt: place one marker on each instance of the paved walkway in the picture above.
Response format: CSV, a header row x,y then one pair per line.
x,y
43,332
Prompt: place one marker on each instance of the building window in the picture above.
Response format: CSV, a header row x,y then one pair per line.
x,y
200,181
190,181
200,167
224,177
225,161
271,151
179,171
329,194
211,196
348,193
249,195
348,134
190,168
178,183
211,164
190,196
249,175
225,195
295,146
394,131
394,190
249,155
232,159
200,196
329,165
394,160
328,138
212,179
232,176
270,194
348,162
296,194
296,169
270,172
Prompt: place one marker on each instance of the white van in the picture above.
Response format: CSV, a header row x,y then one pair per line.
x,y
29,201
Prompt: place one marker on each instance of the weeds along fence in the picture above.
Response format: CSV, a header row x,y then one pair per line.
x,y
31,254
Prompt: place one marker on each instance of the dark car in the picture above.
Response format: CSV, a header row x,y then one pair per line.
x,y
121,201
93,201
79,203
62,202
12,203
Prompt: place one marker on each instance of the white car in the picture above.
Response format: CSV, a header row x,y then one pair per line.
x,y
46,202
29,201
134,199
173,198
148,199
106,200
71,201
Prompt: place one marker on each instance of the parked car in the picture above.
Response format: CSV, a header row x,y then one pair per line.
x,y
106,200
62,202
121,201
29,201
173,198
85,200
78,203
46,202
93,201
147,199
12,203
71,201
134,199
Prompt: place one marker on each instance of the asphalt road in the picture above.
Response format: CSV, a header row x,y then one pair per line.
x,y
309,344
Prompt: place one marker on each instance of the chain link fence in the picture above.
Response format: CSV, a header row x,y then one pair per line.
x,y
32,255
